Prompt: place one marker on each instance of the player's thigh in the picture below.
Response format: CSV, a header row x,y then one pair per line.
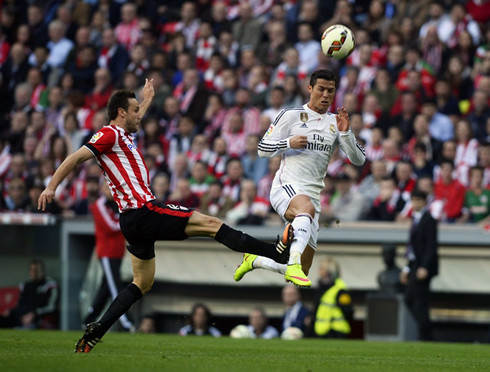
x,y
299,204
202,225
143,273
307,259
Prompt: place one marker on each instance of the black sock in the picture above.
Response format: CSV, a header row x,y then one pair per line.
x,y
127,297
241,242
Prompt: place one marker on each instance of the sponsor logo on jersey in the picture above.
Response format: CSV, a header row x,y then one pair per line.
x,y
332,128
269,131
304,125
96,137
303,117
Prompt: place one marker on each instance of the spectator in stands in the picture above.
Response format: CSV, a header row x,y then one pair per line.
x,y
422,264
476,207
218,158
308,46
451,191
200,323
199,150
254,166
219,21
82,207
275,102
421,166
59,46
422,135
458,21
270,52
265,183
484,162
200,178
459,78
405,183
348,204
17,199
384,90
110,248
479,115
38,301
160,187
290,66
440,126
192,95
370,186
447,103
148,324
258,325
334,308
128,32
296,315
247,30
383,207
112,55
236,136
189,23
395,61
434,52
182,139
214,203
232,178
182,195
250,209
36,24
389,278
436,206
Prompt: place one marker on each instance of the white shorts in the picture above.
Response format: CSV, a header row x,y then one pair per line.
x,y
282,196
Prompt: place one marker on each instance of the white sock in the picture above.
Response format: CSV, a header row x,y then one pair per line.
x,y
302,232
269,264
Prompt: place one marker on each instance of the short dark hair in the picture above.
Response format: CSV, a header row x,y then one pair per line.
x,y
118,100
419,194
420,146
323,74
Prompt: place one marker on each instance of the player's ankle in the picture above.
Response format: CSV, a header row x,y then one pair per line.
x,y
294,258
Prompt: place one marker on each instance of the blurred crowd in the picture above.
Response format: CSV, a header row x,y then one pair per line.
x,y
416,87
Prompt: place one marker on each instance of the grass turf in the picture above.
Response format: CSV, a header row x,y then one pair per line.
x,y
53,351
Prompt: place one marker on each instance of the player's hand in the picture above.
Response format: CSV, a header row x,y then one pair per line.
x,y
148,91
343,121
422,273
47,196
298,142
404,277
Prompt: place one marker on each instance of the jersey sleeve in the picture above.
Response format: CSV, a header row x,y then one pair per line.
x,y
276,139
102,141
354,151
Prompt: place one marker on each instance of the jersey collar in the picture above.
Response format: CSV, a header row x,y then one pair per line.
x,y
310,111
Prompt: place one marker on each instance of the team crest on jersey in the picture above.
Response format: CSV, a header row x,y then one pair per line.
x,y
269,131
332,128
303,117
96,136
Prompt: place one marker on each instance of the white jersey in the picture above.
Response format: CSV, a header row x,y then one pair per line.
x,y
307,167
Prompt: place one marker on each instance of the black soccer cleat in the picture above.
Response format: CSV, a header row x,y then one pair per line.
x,y
90,338
283,244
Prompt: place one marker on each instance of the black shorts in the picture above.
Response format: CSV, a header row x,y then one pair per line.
x,y
154,221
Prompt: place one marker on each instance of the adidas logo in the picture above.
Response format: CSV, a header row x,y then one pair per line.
x,y
304,125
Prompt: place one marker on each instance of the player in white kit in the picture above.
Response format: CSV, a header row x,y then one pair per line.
x,y
305,137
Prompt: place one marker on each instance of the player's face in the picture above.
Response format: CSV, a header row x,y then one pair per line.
x,y
133,117
321,95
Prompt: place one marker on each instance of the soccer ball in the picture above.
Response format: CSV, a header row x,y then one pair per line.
x,y
338,42
240,331
292,333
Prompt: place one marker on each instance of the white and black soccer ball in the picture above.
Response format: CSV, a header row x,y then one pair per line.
x,y
338,42
292,333
240,331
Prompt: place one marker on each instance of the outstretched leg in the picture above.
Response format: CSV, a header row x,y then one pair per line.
x,y
202,225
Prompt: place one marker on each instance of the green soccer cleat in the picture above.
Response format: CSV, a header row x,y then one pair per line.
x,y
294,274
245,266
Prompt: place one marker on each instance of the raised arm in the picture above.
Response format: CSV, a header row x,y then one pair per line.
x,y
148,94
347,140
78,157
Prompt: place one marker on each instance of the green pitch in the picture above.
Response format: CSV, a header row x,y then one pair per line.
x,y
53,351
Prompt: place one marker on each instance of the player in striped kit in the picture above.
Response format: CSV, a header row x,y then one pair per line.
x,y
305,137
143,220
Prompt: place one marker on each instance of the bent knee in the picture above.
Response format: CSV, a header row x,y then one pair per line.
x,y
144,286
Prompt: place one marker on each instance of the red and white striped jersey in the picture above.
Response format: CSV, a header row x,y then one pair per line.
x,y
124,168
